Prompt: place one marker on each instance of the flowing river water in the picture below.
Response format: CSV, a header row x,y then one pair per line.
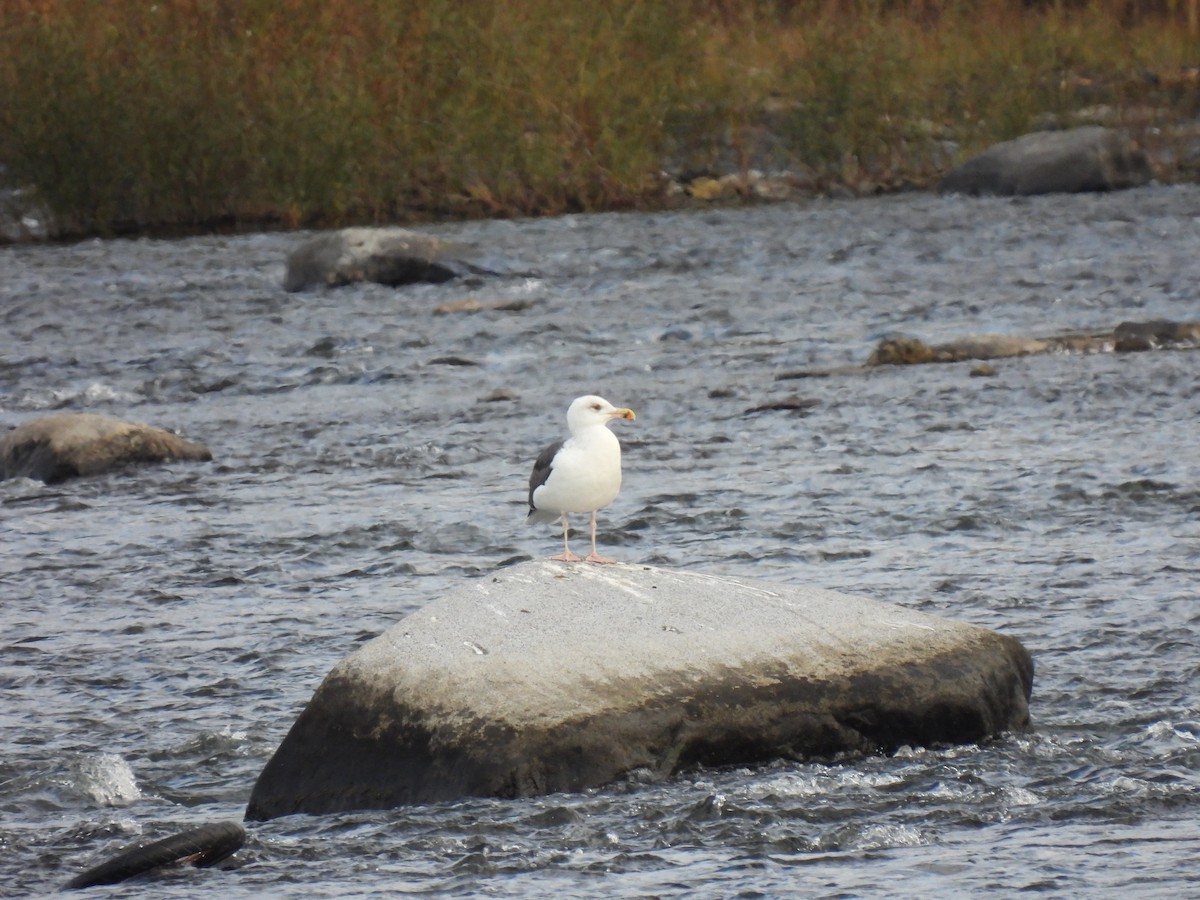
x,y
163,627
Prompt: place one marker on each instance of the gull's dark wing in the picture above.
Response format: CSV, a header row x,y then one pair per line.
x,y
541,470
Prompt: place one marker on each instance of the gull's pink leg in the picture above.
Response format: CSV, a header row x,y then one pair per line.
x,y
566,555
595,557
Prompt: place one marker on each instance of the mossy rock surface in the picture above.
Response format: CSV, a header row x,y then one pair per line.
x,y
68,445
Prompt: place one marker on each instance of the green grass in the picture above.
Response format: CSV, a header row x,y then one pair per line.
x,y
202,113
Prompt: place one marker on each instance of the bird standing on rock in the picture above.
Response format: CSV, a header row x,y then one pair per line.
x,y
580,474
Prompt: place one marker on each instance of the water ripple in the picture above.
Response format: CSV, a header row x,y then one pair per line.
x,y
164,627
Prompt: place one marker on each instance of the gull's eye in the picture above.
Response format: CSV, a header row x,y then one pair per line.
x,y
596,407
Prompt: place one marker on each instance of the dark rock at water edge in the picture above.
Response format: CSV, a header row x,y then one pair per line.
x,y
66,445
1090,158
392,256
553,677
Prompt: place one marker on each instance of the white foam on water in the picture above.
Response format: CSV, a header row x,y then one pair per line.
x,y
105,778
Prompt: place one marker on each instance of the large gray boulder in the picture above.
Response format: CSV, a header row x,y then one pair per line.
x,y
556,677
1091,158
391,256
65,445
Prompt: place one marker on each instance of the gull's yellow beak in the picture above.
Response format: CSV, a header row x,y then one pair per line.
x,y
622,414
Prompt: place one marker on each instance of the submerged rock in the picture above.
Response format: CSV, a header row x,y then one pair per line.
x,y
391,256
555,677
1128,337
901,350
1090,158
906,350
203,846
1132,337
65,445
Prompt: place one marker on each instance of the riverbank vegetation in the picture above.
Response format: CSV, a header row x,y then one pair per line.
x,y
211,113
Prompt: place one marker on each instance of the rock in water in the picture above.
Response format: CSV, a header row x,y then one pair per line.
x,y
1089,158
65,445
391,256
1130,337
548,677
